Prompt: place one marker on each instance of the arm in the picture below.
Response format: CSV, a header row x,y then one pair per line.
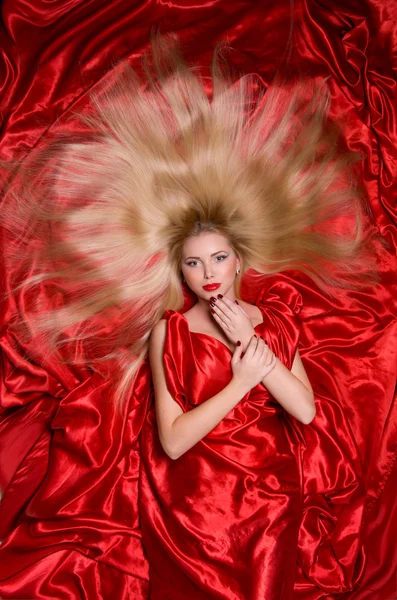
x,y
179,431
292,389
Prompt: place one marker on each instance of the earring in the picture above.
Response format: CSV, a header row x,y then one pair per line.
x,y
238,271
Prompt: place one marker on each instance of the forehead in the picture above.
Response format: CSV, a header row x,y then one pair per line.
x,y
205,243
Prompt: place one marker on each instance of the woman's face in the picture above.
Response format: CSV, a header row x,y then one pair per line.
x,y
209,265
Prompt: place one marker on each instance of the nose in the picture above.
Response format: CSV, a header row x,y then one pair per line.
x,y
207,272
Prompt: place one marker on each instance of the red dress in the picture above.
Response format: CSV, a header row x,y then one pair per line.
x,y
222,521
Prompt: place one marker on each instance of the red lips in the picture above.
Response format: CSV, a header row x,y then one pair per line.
x,y
210,287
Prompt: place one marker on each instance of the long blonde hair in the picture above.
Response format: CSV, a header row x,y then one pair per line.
x,y
101,220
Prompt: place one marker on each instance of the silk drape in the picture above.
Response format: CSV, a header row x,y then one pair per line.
x,y
69,470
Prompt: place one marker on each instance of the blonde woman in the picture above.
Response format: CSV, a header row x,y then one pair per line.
x,y
167,191
220,516
210,265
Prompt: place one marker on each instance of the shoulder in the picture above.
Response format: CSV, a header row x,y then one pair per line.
x,y
158,333
160,327
253,311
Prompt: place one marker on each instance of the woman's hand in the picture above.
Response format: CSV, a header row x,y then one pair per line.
x,y
233,320
257,362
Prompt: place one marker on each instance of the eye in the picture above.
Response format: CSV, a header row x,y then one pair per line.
x,y
192,263
221,257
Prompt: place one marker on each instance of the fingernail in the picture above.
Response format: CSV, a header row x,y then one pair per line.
x,y
212,303
236,302
213,312
220,296
239,343
212,299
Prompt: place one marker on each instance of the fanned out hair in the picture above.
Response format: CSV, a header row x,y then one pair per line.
x,y
101,220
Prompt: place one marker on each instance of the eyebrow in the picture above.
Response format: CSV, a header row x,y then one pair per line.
x,y
198,258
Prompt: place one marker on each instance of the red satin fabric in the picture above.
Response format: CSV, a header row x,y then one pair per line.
x,y
222,521
74,476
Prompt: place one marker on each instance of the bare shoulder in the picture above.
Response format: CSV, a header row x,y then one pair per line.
x,y
157,336
254,313
160,327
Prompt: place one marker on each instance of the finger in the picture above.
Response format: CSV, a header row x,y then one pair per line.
x,y
226,306
273,362
269,357
252,344
261,349
228,303
236,357
266,344
262,343
272,366
240,308
222,317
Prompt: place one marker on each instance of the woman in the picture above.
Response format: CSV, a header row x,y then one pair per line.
x,y
166,181
221,518
214,267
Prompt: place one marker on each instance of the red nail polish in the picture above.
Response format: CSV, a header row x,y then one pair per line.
x,y
212,303
212,299
239,343
213,312
220,296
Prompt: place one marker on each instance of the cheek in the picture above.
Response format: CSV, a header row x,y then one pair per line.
x,y
190,274
229,268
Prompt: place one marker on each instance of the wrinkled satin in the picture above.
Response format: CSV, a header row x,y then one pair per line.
x,y
69,469
222,521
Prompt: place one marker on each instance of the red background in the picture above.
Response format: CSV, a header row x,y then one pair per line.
x,y
52,53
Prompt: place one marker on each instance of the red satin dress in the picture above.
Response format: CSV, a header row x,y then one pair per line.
x,y
222,521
